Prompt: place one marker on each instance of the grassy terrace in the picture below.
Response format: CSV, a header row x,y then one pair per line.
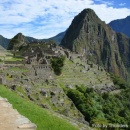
x,y
72,75
10,58
18,69
14,59
45,120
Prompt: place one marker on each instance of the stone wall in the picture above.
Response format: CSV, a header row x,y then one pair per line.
x,y
14,62
42,71
2,79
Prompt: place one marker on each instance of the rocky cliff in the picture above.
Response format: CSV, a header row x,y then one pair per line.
x,y
93,38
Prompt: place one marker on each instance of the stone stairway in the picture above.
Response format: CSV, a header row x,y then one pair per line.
x,y
10,119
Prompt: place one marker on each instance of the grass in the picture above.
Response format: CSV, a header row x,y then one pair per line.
x,y
14,59
9,57
72,74
44,119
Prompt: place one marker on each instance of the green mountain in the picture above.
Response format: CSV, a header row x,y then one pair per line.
x,y
4,41
57,39
94,39
30,39
17,42
121,25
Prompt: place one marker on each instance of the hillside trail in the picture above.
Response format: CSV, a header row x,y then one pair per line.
x,y
10,119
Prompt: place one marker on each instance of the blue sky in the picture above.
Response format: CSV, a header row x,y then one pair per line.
x,y
46,18
114,3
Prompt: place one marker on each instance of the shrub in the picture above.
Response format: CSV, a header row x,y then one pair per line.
x,y
118,81
57,64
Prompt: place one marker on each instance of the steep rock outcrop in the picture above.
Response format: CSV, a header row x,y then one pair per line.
x,y
124,49
90,36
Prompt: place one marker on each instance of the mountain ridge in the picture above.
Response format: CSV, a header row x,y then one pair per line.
x,y
4,41
97,40
121,25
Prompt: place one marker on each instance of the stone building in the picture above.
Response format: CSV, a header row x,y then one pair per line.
x,y
39,63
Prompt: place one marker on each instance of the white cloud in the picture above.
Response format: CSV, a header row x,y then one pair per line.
x,y
46,18
122,4
105,2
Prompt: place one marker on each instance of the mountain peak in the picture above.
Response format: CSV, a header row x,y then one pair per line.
x,y
86,14
17,41
87,32
19,35
81,25
88,10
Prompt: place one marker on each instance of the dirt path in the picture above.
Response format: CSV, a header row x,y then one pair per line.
x,y
10,119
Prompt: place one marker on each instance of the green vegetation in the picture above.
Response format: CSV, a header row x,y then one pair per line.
x,y
15,59
18,69
17,42
41,117
4,41
100,48
73,74
57,64
103,108
118,81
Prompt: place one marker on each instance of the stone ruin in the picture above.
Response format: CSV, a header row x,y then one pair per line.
x,y
39,64
2,79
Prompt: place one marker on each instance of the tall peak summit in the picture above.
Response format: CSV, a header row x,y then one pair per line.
x,y
88,33
85,16
84,23
87,11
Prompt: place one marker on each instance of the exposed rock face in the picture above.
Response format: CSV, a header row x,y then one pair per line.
x,y
124,49
121,25
90,36
17,41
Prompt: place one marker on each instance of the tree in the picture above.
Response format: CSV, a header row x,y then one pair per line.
x,y
57,64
